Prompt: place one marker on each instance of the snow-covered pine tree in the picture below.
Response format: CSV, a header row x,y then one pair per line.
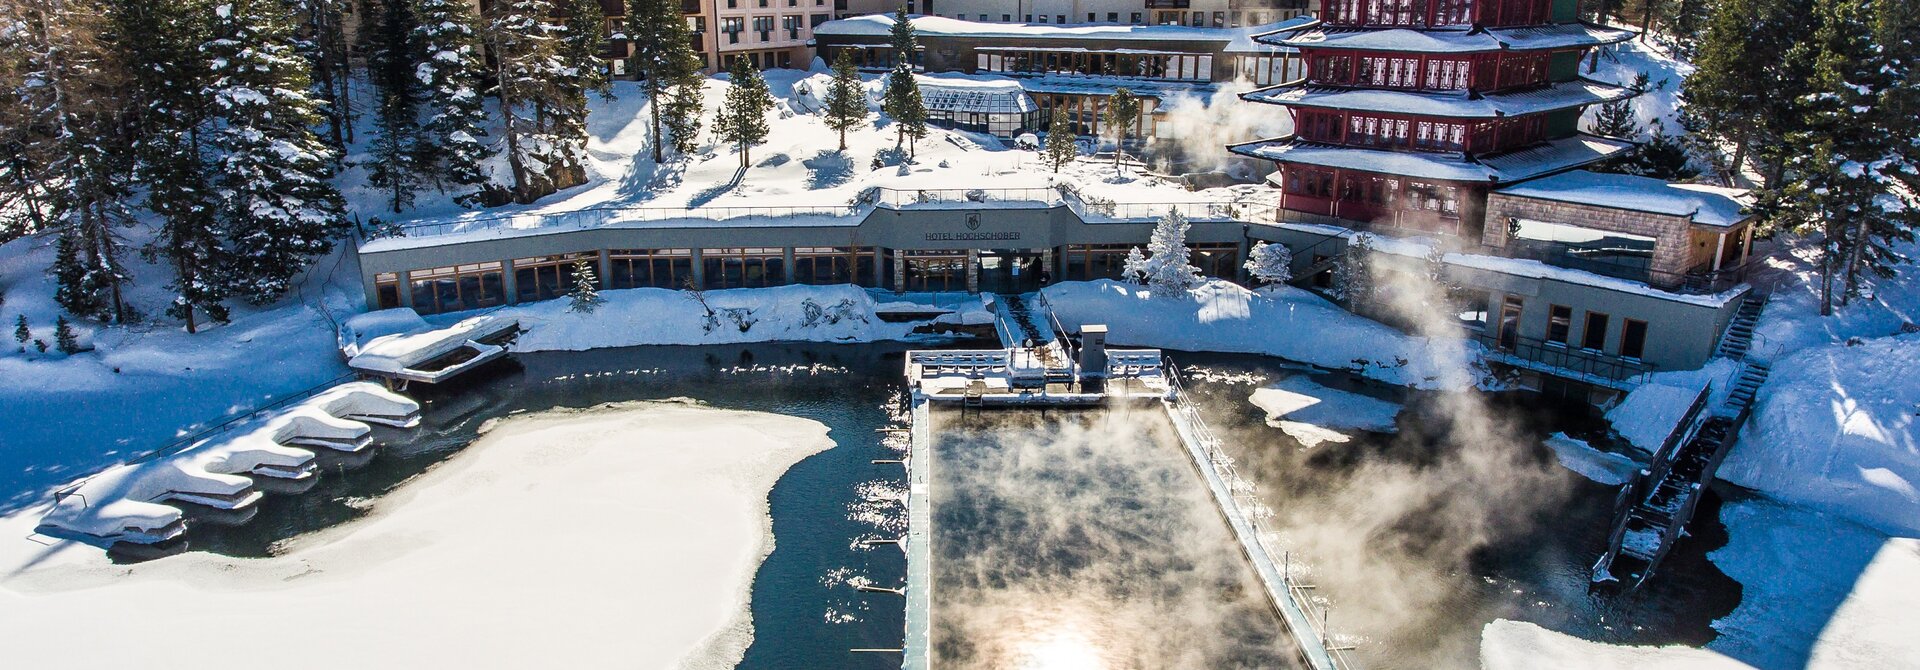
x,y
277,206
1661,156
64,338
545,136
743,117
1272,264
450,71
1616,119
1135,267
581,45
1123,111
902,99
1353,271
1735,97
21,333
1853,177
391,54
321,39
585,294
1167,269
23,196
663,58
167,100
1061,147
846,98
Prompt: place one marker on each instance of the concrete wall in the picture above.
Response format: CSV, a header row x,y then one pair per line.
x,y
1681,334
1673,252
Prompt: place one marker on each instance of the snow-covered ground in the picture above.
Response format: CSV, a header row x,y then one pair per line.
x,y
1818,592
1315,414
1604,467
1280,321
507,555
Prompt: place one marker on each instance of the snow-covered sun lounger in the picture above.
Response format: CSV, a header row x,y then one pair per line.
x,y
398,344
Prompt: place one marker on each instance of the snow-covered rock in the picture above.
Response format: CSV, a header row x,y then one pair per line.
x,y
1600,466
1652,410
1315,414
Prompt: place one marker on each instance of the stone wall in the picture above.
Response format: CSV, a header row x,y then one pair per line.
x,y
1672,256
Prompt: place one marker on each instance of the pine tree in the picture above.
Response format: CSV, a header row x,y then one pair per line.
x,y
452,140
24,195
320,38
544,129
1061,148
1123,111
64,338
1353,271
583,42
391,55
277,206
743,117
902,99
73,93
70,277
585,294
846,98
670,72
1735,96
1852,176
169,79
1661,157
1167,269
21,333
1270,263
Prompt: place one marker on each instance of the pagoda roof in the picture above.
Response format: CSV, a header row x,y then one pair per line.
x,y
1502,168
1452,104
1438,40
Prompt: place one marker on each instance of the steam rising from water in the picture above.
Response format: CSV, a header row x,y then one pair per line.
x,y
1401,526
1084,539
1203,126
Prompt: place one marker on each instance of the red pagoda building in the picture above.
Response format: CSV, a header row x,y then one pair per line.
x,y
1412,110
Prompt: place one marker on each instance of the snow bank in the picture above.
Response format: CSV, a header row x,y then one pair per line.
x,y
1315,414
1519,645
560,539
838,313
1600,466
1652,410
1835,428
1281,321
122,503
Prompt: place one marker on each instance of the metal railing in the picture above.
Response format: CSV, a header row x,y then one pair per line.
x,y
1245,500
1566,360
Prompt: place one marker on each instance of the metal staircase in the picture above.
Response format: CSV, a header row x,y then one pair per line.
x,y
1738,340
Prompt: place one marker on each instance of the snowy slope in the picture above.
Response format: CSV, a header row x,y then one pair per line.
x,y
1281,321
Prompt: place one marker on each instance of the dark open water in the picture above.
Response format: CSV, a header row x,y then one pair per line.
x,y
807,613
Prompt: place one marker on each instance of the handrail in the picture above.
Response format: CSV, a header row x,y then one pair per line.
x,y
1566,357
1245,500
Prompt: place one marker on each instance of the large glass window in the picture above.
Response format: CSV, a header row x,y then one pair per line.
x,y
547,277
1216,259
457,288
1633,338
1602,252
1086,262
386,288
1595,337
834,265
650,268
744,267
933,271
1559,324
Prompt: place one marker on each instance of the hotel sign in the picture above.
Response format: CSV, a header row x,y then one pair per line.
x,y
967,237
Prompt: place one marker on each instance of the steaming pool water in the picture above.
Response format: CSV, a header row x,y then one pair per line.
x,y
1071,537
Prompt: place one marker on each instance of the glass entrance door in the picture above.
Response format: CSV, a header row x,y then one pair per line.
x,y
1009,271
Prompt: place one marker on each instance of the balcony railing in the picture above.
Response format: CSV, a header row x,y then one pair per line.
x,y
1561,360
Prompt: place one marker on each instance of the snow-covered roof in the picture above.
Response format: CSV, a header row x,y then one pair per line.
x,y
1533,161
1236,39
1452,104
1707,205
1530,38
961,93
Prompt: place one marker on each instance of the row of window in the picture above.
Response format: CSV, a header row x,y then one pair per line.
x,y
763,4
1379,191
1593,332
1185,67
791,26
1388,132
1406,13
1430,73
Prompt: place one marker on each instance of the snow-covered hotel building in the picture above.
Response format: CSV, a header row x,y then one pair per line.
x,y
1072,67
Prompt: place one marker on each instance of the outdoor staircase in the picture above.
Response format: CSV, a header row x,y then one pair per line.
x,y
1029,322
1306,276
1738,339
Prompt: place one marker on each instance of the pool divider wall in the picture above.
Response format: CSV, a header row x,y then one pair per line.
x,y
1200,444
918,645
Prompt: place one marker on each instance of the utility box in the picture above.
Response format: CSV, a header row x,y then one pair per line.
x,y
1093,351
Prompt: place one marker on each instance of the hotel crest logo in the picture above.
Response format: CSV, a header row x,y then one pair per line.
x,y
973,220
